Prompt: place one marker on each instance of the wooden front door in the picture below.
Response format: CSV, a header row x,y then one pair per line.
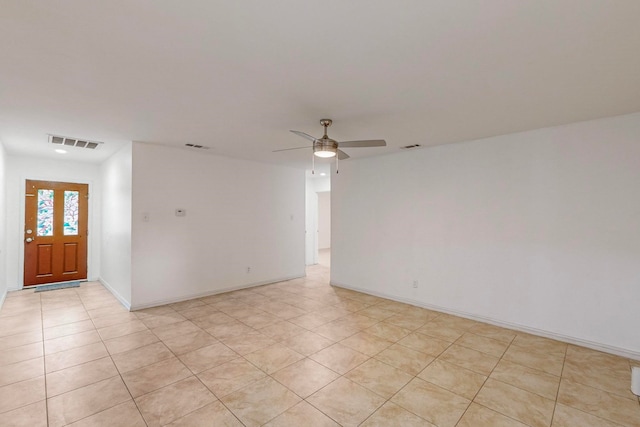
x,y
55,235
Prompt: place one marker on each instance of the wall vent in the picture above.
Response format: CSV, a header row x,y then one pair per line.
x,y
200,147
409,147
73,142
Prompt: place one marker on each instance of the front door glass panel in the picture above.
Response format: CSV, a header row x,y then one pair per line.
x,y
71,213
45,213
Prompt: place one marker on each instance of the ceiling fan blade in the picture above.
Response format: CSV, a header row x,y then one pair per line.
x,y
304,135
287,149
342,155
365,143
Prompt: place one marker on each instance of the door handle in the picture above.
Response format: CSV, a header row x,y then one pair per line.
x,y
29,240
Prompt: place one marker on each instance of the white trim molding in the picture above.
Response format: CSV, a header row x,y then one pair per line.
x,y
516,327
206,294
115,293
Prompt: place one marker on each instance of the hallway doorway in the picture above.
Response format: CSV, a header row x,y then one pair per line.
x,y
324,257
318,219
324,228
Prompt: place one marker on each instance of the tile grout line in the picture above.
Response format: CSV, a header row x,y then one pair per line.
x,y
487,379
388,400
555,405
180,360
44,363
198,378
471,401
416,375
189,369
284,367
578,409
14,347
127,387
117,370
166,385
266,374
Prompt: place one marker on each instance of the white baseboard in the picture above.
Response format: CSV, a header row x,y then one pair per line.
x,y
115,293
623,352
209,293
2,298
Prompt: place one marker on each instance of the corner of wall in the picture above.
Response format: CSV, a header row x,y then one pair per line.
x,y
115,293
3,219
115,266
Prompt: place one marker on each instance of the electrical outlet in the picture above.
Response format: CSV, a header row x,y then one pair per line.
x,y
248,269
415,283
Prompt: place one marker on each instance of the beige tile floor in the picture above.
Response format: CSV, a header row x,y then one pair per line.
x,y
295,353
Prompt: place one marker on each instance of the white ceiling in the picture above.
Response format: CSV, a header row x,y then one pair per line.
x,y
237,75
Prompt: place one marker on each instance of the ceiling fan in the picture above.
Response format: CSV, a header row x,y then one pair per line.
x,y
326,147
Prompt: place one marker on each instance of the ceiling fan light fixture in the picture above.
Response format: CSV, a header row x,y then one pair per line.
x,y
325,150
325,153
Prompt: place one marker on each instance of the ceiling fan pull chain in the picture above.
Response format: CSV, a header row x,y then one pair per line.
x,y
337,164
313,164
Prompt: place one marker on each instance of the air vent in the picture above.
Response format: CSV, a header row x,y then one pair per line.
x,y
200,147
409,147
73,142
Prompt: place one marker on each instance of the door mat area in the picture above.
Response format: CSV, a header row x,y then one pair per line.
x,y
55,286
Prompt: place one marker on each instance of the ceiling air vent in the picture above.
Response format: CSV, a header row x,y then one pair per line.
x,y
73,142
409,147
200,147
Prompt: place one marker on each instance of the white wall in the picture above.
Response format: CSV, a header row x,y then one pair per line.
x,y
19,169
115,265
3,215
539,230
324,220
239,214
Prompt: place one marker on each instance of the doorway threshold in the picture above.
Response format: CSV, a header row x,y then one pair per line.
x,y
59,285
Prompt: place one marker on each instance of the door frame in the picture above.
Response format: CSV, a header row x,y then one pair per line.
x,y
91,254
